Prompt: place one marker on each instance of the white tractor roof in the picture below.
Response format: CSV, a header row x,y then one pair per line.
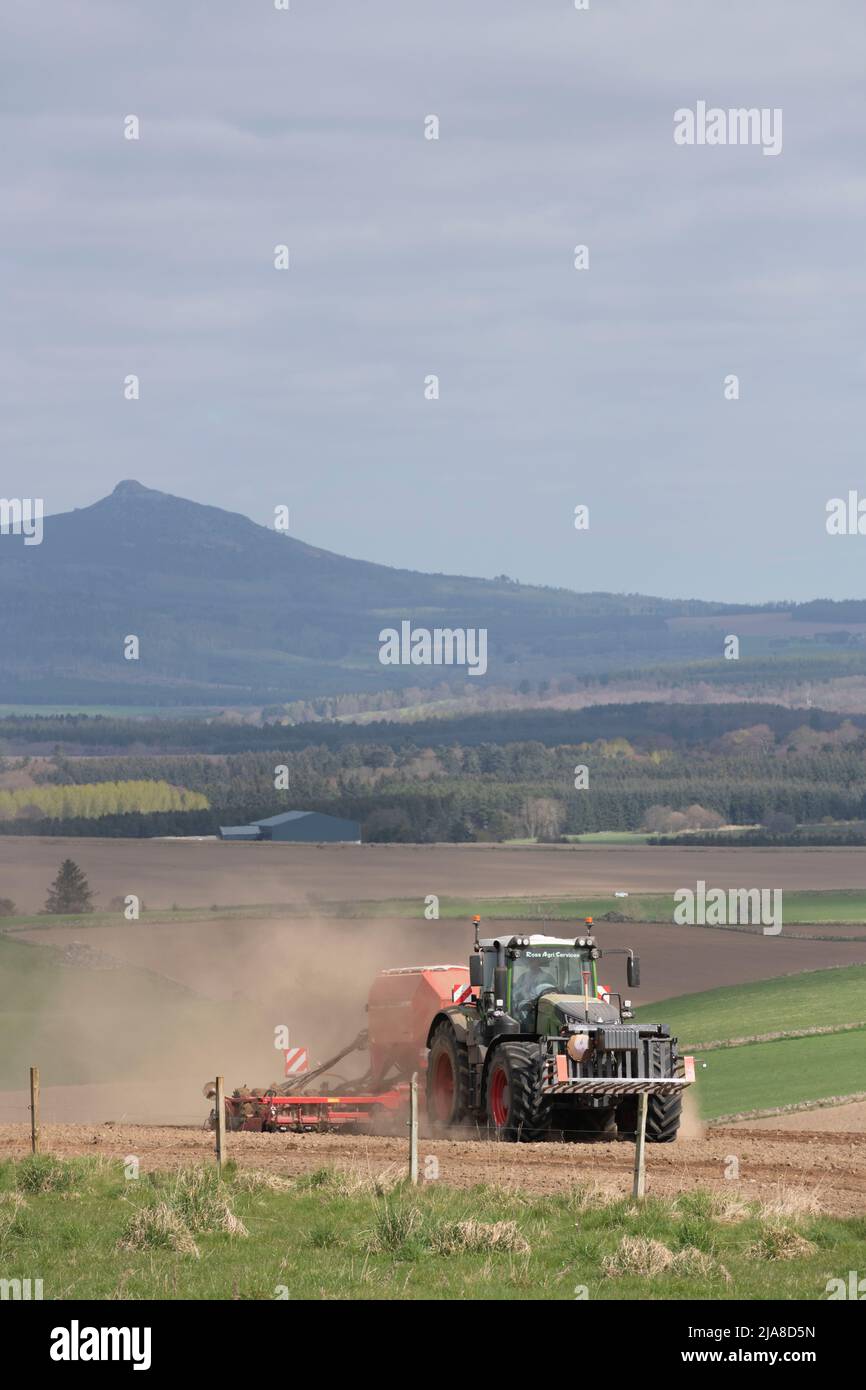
x,y
533,939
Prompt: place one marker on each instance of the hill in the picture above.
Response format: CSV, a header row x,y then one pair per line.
x,y
227,611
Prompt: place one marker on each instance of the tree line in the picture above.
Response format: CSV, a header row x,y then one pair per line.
x,y
492,791
644,723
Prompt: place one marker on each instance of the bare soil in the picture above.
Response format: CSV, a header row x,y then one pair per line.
x,y
195,873
823,1120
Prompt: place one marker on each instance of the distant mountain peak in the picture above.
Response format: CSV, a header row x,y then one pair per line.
x,y
130,487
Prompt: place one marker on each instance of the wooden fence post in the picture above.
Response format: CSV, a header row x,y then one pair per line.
x,y
220,1104
34,1110
639,1187
413,1130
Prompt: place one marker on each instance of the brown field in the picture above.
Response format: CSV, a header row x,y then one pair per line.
x,y
849,1118
826,1172
200,873
313,975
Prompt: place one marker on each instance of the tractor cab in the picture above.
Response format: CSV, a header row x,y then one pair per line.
x,y
547,984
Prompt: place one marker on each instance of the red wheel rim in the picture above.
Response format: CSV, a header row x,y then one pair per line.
x,y
500,1097
443,1087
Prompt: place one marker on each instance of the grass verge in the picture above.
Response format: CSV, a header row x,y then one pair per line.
x,y
88,1231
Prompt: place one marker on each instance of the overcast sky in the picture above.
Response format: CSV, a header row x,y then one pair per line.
x,y
411,257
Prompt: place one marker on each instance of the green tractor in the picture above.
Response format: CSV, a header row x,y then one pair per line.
x,y
536,1048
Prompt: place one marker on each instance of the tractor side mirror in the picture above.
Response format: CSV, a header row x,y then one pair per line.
x,y
632,972
476,969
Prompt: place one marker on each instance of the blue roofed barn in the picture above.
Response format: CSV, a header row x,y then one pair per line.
x,y
298,827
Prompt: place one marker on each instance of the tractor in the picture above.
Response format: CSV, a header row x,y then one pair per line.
x,y
535,1047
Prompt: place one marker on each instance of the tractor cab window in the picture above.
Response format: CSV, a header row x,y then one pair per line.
x,y
545,968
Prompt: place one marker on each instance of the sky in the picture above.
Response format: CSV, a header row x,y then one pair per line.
x,y
412,257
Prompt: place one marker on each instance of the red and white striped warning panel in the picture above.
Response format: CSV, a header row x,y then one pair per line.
x,y
297,1060
461,994
603,992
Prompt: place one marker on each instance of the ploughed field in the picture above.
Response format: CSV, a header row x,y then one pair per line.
x,y
201,873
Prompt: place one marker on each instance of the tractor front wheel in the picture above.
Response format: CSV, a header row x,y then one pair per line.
x,y
665,1112
663,1118
515,1107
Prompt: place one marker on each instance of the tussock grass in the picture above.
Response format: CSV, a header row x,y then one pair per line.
x,y
778,1242
199,1199
348,1182
408,1229
727,1209
192,1201
648,1258
395,1225
638,1255
699,1265
345,1182
45,1173
158,1228
452,1237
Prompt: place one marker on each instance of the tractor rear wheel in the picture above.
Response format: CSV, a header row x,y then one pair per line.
x,y
516,1109
448,1093
664,1113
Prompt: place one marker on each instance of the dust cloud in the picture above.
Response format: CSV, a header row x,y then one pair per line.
x,y
129,1022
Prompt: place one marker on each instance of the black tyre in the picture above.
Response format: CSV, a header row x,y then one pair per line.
x,y
448,1094
664,1113
516,1110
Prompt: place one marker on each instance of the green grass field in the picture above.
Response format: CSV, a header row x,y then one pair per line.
x,y
612,837
762,1076
798,907
835,906
816,998
87,1231
785,1072
647,907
